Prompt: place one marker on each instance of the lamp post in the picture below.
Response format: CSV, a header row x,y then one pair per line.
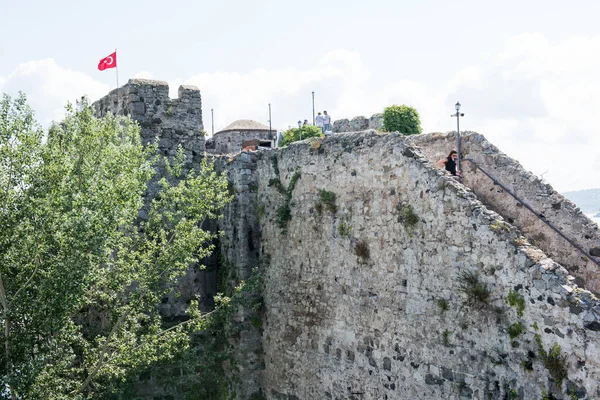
x,y
313,102
212,117
300,128
270,130
458,115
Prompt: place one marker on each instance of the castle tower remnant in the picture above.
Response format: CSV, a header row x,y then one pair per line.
x,y
172,121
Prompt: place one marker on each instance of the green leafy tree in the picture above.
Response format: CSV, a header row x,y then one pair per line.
x,y
294,134
403,119
80,275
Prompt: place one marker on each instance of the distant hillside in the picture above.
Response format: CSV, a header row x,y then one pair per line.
x,y
587,200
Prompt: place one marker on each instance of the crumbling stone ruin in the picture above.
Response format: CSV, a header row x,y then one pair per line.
x,y
385,278
359,123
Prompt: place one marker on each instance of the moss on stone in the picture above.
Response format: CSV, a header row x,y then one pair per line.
x,y
515,330
514,299
328,199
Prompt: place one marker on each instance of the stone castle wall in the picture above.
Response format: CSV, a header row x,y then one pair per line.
x,y
340,324
240,254
396,324
546,202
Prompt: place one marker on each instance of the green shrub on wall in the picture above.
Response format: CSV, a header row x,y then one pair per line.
x,y
403,119
293,134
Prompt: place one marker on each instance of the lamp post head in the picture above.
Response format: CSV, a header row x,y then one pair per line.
x,y
299,124
457,106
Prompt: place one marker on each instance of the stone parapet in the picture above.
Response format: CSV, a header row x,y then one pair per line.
x,y
547,202
359,123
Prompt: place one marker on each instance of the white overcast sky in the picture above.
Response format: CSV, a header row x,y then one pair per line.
x,y
526,72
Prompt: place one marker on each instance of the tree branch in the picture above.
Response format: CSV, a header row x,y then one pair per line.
x,y
159,334
38,262
103,351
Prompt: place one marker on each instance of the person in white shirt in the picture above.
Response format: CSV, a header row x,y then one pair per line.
x,y
319,121
326,121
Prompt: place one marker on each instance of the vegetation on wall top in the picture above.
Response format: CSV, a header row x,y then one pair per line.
x,y
296,134
403,119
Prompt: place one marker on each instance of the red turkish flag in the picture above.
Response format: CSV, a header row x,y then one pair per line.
x,y
108,62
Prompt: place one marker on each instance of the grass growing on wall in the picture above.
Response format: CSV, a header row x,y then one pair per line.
x,y
443,305
344,229
407,217
553,360
515,330
476,291
284,212
328,199
361,249
446,338
514,299
284,215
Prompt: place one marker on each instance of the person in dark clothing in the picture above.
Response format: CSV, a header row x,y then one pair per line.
x,y
449,163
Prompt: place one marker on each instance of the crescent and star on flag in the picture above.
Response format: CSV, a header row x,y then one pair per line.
x,y
109,61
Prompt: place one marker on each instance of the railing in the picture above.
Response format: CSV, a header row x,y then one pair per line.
x,y
540,217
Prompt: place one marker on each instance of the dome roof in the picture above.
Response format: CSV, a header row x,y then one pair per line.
x,y
245,125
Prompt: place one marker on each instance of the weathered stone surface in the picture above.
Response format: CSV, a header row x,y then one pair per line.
x,y
338,326
341,125
536,193
359,123
376,121
356,124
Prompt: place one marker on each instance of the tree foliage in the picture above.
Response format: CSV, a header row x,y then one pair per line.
x,y
403,119
296,134
80,274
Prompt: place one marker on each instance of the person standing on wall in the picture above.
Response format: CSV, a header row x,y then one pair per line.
x,y
319,121
326,122
449,163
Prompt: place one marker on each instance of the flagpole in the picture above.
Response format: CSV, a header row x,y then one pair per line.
x,y
117,69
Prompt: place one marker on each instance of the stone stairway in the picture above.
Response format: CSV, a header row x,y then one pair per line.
x,y
546,218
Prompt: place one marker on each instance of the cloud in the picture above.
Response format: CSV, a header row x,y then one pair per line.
x,y
537,101
49,87
338,79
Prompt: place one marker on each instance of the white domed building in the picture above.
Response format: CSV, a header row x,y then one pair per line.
x,y
231,139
